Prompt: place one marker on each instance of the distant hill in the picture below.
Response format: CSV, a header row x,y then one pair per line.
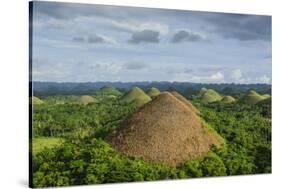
x,y
209,95
266,96
86,99
153,92
36,101
202,91
252,97
185,88
137,96
227,99
165,130
265,101
108,90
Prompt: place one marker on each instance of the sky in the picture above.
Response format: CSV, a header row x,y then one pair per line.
x,y
89,43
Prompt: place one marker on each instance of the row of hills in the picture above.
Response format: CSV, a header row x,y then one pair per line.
x,y
140,97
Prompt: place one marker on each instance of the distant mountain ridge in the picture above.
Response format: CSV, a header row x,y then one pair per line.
x,y
63,88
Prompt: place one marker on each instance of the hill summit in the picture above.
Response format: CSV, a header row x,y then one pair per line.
x,y
164,130
153,92
137,96
209,95
252,97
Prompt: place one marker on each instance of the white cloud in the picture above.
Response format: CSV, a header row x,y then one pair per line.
x,y
136,26
127,25
236,74
264,79
217,77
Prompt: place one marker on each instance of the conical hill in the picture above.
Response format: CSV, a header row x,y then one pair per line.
x,y
164,130
251,98
137,96
153,92
36,101
86,99
228,99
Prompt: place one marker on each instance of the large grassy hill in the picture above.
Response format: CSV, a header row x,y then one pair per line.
x,y
157,130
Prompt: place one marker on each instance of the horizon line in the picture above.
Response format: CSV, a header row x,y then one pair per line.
x,y
61,82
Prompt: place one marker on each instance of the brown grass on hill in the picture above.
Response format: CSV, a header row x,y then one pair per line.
x,y
185,101
164,130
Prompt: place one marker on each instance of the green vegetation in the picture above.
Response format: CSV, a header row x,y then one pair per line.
x,y
153,92
137,96
36,101
266,101
209,95
202,91
228,99
62,99
252,97
108,90
86,99
86,158
265,96
41,143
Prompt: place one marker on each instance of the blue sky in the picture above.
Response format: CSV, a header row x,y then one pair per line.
x,y
89,43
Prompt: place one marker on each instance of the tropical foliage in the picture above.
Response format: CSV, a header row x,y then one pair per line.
x,y
79,154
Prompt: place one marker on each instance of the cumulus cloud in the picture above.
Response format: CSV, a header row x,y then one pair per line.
x,y
97,39
61,27
217,77
136,26
145,36
264,79
241,27
187,36
238,26
135,65
210,70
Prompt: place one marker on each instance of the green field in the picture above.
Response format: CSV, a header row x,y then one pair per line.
x,y
40,143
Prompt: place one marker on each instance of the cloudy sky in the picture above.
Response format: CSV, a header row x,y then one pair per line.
x,y
88,43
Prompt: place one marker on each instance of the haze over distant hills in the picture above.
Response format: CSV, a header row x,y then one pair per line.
x,y
187,88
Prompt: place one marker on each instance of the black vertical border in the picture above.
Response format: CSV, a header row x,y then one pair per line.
x,y
30,171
